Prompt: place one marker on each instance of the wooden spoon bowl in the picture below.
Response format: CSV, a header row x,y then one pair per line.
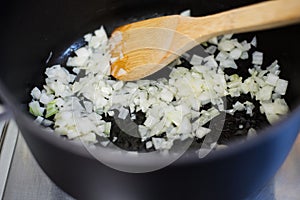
x,y
142,48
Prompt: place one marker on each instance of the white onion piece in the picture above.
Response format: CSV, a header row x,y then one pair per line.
x,y
46,98
257,58
249,108
222,55
226,45
149,145
254,42
235,53
238,106
196,60
39,119
229,63
272,79
186,13
36,93
211,49
244,55
213,40
201,132
227,36
281,86
123,113
265,93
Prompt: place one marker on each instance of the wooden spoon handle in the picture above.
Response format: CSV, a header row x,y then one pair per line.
x,y
265,15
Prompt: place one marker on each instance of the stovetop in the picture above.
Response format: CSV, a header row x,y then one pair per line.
x,y
22,179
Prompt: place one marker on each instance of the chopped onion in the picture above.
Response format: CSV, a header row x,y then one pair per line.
x,y
235,53
257,58
281,86
36,109
238,106
196,60
254,42
222,55
272,79
211,49
186,13
36,93
229,63
39,119
171,106
149,144
244,55
123,113
201,132
226,45
265,93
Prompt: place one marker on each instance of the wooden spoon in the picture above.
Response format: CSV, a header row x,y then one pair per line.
x,y
142,48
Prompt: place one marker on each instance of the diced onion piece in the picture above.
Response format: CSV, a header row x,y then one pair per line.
x,y
39,119
238,106
36,109
278,107
89,138
246,46
47,122
281,86
46,98
36,93
210,62
226,45
257,58
265,93
107,128
229,63
123,113
249,108
213,40
143,131
186,13
162,144
51,109
201,132
222,55
196,60
185,126
111,113
254,42
211,49
175,117
88,106
272,79
227,36
235,53
272,118
149,145
166,95
151,121
244,55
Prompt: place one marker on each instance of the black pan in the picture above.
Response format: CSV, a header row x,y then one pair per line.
x,y
30,30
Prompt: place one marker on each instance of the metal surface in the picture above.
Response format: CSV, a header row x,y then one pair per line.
x,y
26,181
9,135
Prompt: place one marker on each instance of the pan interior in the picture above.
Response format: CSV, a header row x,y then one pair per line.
x,y
53,30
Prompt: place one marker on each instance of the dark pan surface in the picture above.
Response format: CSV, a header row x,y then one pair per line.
x,y
30,30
